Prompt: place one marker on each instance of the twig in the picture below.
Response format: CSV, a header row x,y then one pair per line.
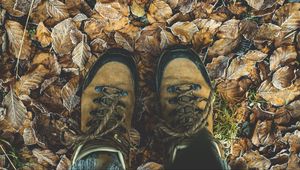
x,y
23,37
7,157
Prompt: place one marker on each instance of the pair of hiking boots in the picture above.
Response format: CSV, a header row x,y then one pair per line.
x,y
109,99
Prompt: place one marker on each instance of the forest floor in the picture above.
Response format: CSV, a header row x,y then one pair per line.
x,y
250,48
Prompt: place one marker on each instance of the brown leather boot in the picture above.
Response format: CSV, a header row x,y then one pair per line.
x,y
185,95
107,105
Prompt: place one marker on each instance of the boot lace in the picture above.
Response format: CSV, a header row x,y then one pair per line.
x,y
188,117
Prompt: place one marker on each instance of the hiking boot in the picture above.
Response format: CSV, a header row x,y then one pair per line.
x,y
107,106
185,94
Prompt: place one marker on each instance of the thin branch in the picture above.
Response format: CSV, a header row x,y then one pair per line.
x,y
22,41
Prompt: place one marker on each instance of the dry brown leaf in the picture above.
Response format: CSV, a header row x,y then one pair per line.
x,y
43,35
207,29
29,136
184,30
266,34
240,146
167,39
16,111
216,69
81,53
61,41
49,61
233,91
98,45
124,41
262,134
8,5
288,17
222,47
294,162
15,34
245,65
64,163
186,6
30,81
68,94
294,109
151,165
283,77
94,28
255,160
45,156
137,9
159,11
149,40
261,4
112,11
57,10
229,29
47,83
276,96
282,56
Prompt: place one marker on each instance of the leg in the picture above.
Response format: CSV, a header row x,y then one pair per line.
x,y
185,98
107,105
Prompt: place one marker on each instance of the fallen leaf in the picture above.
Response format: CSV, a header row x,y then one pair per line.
x,y
222,47
159,11
49,61
294,162
229,29
137,9
261,4
124,42
266,35
112,10
57,10
43,35
68,94
294,109
255,160
47,83
288,17
233,91
98,45
64,163
262,134
94,28
61,41
45,156
167,39
8,5
245,65
30,81
15,34
81,53
16,111
186,6
282,56
216,68
276,96
29,136
151,165
184,30
283,77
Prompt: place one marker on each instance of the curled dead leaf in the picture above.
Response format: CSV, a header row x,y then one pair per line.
x,y
68,94
61,41
57,10
282,56
229,29
262,134
16,111
222,47
15,34
159,11
216,68
276,96
43,35
137,9
29,136
167,39
233,91
94,28
283,77
261,4
49,61
186,6
81,53
64,163
266,34
45,156
184,30
124,41
294,109
112,11
255,160
30,81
